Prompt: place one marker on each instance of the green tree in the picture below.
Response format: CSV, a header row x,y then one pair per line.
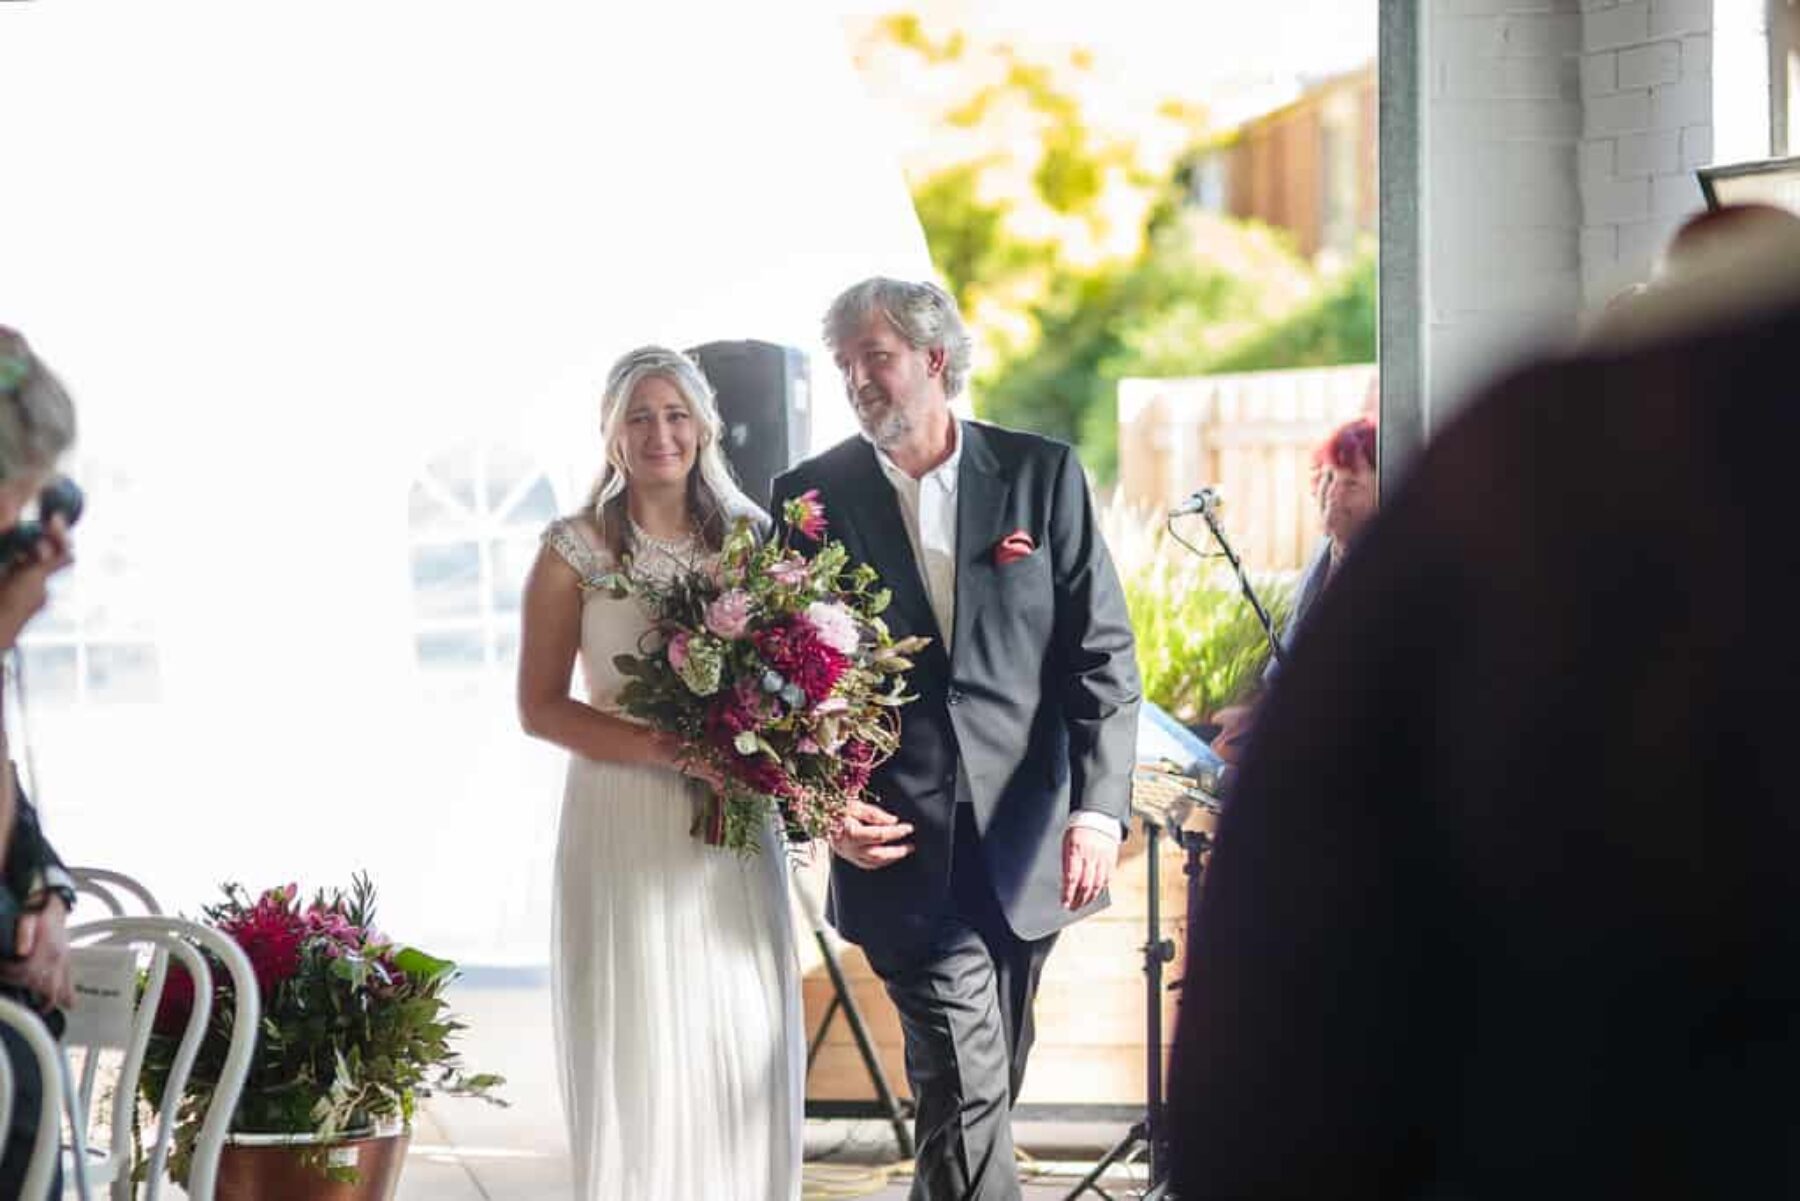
x,y
1026,221
1210,279
1338,327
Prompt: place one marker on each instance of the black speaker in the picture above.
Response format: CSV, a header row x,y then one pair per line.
x,y
765,402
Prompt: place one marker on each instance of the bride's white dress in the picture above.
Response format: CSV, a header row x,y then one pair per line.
x,y
677,999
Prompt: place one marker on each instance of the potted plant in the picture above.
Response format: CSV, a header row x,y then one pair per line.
x,y
355,1029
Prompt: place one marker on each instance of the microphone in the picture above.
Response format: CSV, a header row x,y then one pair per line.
x,y
1203,501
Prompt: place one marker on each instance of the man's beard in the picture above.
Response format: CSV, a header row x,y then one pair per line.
x,y
888,428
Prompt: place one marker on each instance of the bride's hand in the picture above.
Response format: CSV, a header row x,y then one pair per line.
x,y
704,772
675,754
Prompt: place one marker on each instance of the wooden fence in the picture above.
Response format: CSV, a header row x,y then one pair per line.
x,y
1250,435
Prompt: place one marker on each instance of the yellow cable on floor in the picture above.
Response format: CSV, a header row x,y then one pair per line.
x,y
824,1181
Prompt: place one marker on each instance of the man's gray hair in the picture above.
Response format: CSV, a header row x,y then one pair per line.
x,y
37,418
922,313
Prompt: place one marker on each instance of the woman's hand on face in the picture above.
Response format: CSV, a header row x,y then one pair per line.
x,y
25,582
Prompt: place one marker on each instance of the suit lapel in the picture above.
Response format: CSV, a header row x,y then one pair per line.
x,y
875,515
981,514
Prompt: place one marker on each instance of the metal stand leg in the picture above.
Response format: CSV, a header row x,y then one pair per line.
x,y
843,1001
1157,951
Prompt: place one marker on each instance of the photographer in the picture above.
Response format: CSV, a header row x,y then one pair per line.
x,y
37,423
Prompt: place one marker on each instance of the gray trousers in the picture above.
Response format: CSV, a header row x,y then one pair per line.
x,y
965,1010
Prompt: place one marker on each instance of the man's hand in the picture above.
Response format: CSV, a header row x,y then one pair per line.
x,y
1088,860
869,836
42,969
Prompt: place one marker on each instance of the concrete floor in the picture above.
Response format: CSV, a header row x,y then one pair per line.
x,y
469,1151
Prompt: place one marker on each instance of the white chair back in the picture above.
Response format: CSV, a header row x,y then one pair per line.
x,y
94,945
110,890
50,1068
108,887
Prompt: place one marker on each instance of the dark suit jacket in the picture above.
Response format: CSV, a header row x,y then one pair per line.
x,y
1037,701
28,852
1506,901
28,856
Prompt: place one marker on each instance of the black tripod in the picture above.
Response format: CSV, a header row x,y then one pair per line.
x,y
1147,1132
844,1001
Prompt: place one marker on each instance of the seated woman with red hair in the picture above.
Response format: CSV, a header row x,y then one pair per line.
x,y
1345,488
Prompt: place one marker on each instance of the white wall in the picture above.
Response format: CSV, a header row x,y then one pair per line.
x,y
1647,88
1500,208
1561,140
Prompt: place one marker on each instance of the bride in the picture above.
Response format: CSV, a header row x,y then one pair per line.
x,y
675,980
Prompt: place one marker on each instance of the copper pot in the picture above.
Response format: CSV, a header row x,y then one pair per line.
x,y
268,1168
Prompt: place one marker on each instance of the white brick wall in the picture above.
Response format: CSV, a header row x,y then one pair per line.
x,y
1646,72
1561,140
1504,81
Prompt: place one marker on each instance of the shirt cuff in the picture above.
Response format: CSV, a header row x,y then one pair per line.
x,y
1100,823
51,878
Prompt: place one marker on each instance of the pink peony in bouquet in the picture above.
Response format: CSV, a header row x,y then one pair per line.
x,y
778,674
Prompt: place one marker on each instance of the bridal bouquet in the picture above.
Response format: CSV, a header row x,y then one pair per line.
x,y
777,672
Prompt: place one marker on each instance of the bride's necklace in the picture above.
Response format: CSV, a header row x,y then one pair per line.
x,y
678,550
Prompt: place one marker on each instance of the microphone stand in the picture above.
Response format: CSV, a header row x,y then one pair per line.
x,y
1206,510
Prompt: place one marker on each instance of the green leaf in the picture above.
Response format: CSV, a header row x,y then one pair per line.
x,y
420,966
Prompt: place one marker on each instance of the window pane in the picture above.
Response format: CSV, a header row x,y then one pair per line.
x,y
122,672
428,514
49,673
512,562
447,580
507,468
451,650
61,614
455,473
537,507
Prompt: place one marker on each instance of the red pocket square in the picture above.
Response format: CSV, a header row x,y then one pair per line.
x,y
1015,546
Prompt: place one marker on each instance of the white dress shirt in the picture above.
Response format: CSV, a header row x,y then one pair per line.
x,y
928,510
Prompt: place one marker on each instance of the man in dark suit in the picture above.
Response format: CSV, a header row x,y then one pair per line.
x,y
998,820
1505,901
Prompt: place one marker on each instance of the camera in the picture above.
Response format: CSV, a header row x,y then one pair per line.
x,y
61,495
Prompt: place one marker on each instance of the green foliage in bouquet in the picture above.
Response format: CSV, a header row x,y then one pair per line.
x,y
777,674
355,1028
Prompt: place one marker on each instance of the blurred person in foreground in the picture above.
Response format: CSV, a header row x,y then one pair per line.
x,y
1505,904
1691,248
1346,488
37,423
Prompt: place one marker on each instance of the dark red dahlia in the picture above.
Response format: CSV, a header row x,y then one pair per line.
x,y
177,1001
733,712
794,650
271,934
759,773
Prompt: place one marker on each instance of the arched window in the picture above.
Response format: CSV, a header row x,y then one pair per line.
x,y
475,515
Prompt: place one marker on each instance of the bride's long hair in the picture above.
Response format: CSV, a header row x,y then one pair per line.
x,y
714,499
